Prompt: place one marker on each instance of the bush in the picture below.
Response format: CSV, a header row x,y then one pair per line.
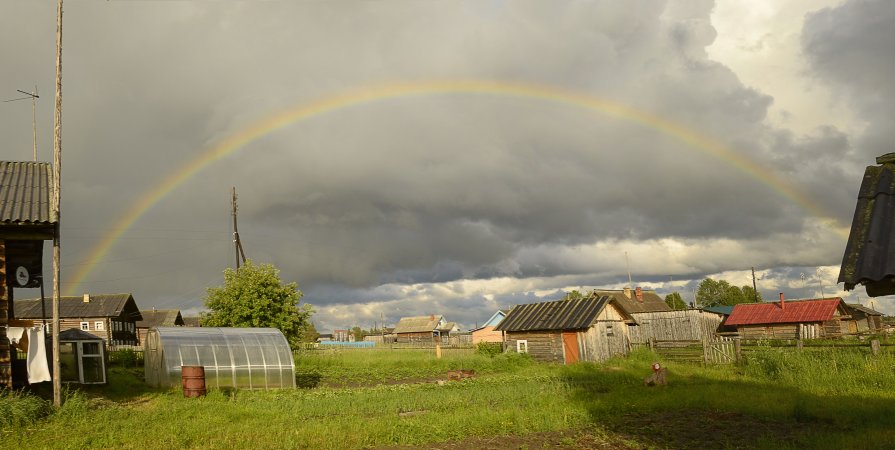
x,y
490,349
126,358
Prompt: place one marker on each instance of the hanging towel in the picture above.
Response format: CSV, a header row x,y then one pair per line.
x,y
38,370
14,334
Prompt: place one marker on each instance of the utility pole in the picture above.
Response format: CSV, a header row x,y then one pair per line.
x,y
754,288
237,244
57,203
628,266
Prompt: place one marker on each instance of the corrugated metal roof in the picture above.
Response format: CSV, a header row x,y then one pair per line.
x,y
160,318
419,324
869,257
100,305
725,310
557,315
25,193
791,312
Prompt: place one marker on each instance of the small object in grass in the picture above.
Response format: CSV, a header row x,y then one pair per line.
x,y
411,413
658,377
460,374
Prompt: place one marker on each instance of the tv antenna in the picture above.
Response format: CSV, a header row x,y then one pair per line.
x,y
33,96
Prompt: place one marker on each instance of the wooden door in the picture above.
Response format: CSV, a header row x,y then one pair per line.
x,y
570,347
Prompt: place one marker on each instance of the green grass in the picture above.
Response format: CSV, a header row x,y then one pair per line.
x,y
778,399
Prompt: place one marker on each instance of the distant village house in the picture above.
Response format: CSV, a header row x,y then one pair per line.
x,y
112,317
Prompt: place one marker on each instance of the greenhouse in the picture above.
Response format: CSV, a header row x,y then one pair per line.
x,y
243,358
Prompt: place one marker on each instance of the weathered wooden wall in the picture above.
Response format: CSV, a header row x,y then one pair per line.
x,y
542,345
604,340
683,325
5,356
773,331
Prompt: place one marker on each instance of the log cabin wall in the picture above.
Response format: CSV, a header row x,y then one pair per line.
x,y
5,357
772,331
541,345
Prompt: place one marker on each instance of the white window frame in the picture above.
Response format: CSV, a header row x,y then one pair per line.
x,y
85,326
522,346
99,325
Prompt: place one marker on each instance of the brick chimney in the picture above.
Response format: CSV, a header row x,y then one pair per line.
x,y
86,298
432,317
782,304
639,293
627,292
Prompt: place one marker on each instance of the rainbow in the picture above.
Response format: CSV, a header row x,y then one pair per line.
x,y
360,96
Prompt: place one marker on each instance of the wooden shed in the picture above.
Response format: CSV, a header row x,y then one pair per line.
x,y
27,218
567,331
801,319
864,319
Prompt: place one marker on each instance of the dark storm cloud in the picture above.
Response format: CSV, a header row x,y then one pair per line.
x,y
425,189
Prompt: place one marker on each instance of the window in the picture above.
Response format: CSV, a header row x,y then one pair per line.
x,y
116,325
522,346
85,326
99,326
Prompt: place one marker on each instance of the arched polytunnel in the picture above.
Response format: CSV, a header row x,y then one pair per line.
x,y
243,358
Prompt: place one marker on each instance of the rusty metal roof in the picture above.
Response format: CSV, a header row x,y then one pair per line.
x,y
557,315
791,312
25,193
100,305
869,257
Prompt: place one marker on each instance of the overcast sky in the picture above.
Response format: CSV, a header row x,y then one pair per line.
x,y
457,203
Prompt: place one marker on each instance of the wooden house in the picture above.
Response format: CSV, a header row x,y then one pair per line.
x,y
486,332
192,321
567,331
635,300
112,317
802,319
424,329
157,318
864,319
27,218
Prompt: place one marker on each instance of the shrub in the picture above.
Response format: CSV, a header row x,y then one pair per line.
x,y
490,349
126,358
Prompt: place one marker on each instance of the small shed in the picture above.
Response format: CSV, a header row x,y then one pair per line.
x,y
802,319
82,357
864,319
243,358
588,329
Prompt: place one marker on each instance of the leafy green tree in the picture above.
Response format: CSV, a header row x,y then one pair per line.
x,y
722,293
675,301
254,296
310,333
358,333
574,295
751,295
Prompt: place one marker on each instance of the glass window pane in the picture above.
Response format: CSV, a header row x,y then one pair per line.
x,y
90,348
68,361
93,369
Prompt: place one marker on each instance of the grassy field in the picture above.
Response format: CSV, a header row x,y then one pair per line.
x,y
832,398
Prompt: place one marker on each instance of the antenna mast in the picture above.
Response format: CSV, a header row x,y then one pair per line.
x,y
628,266
237,244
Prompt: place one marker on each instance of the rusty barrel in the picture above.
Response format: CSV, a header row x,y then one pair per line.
x,y
193,378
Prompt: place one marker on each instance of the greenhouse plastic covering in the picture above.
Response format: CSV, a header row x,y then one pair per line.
x,y
244,358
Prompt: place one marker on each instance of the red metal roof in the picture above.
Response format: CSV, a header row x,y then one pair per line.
x,y
791,312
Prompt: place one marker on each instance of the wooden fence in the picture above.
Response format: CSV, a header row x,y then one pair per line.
x,y
729,350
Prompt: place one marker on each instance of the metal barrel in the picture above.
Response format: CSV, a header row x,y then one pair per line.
x,y
193,378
